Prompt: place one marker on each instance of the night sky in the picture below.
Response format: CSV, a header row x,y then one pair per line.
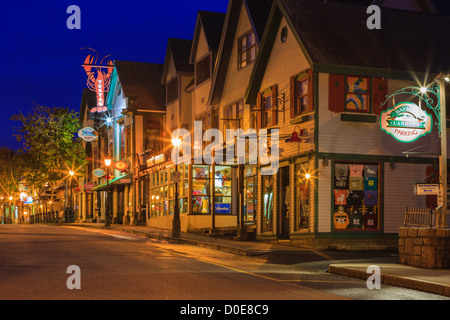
x,y
42,58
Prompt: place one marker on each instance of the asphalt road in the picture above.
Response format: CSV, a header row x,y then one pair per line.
x,y
34,262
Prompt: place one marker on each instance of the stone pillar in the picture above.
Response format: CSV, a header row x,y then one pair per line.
x,y
424,247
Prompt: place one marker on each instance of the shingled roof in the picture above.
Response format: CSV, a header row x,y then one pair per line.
x,y
141,83
179,50
336,33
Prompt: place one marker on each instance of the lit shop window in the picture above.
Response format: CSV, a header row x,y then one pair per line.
x,y
302,189
267,202
356,197
201,190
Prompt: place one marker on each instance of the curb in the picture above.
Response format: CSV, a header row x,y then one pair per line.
x,y
398,281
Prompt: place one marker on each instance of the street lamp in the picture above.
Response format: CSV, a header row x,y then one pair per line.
x,y
107,215
176,225
71,173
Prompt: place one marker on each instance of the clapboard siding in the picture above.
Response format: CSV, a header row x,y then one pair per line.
x,y
287,59
336,136
324,203
398,192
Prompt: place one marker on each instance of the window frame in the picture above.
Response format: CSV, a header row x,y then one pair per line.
x,y
245,50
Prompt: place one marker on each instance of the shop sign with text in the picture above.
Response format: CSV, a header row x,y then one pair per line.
x,y
406,122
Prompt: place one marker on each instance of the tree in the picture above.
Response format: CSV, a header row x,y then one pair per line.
x,y
50,143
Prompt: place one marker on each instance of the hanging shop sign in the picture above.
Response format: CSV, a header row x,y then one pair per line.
x,y
88,134
98,79
98,173
406,122
155,160
88,187
120,165
427,189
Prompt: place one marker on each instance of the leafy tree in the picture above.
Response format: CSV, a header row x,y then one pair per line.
x,y
49,137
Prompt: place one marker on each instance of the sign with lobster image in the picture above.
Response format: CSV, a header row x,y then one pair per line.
x,y
98,79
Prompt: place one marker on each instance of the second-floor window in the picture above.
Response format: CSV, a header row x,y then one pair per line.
x,y
267,107
357,94
203,70
172,90
233,116
246,49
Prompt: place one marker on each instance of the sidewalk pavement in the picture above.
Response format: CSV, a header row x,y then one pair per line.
x,y
435,281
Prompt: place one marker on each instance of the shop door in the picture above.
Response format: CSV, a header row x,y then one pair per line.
x,y
282,201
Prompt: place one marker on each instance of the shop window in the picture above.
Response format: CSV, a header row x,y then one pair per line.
x,y
267,203
201,190
246,49
356,197
250,201
301,197
162,192
222,190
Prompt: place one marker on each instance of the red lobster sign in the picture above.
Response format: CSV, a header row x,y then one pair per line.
x,y
98,79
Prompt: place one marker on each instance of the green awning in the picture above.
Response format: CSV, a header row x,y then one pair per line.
x,y
126,179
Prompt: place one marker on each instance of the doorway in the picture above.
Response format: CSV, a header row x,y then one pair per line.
x,y
283,201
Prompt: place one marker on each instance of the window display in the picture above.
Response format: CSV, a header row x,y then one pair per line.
x,y
301,199
356,197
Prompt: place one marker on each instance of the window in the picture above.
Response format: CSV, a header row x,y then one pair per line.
x,y
267,105
203,70
250,202
356,197
201,190
172,90
246,49
233,116
301,93
357,94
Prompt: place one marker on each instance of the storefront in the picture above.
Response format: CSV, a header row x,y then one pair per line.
x,y
205,196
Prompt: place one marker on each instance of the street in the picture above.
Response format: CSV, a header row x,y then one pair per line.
x,y
34,262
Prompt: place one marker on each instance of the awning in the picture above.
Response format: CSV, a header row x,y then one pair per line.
x,y
126,179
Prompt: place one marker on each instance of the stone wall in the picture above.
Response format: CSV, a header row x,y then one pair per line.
x,y
424,247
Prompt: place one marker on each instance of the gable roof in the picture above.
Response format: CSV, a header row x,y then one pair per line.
x,y
89,99
141,83
179,50
258,13
335,36
212,24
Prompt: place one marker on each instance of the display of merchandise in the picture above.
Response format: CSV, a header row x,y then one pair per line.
x,y
341,220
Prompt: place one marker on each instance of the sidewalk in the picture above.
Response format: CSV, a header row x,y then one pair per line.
x,y
435,281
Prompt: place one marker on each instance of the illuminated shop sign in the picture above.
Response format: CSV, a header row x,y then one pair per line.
x,y
406,122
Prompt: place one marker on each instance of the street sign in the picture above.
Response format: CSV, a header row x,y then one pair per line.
x,y
427,189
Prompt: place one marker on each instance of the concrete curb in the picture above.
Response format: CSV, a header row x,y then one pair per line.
x,y
394,280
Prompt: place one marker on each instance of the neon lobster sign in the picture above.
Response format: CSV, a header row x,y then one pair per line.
x,y
98,79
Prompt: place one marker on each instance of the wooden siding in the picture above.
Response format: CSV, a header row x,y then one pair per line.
x,y
287,59
398,192
324,202
336,136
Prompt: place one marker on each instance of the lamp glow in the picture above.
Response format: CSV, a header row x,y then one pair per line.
x,y
423,90
176,142
71,173
307,176
107,162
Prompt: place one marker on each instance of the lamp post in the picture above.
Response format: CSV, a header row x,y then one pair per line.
x,y
71,173
10,209
107,215
176,225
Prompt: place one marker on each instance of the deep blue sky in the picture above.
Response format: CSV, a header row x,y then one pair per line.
x,y
41,57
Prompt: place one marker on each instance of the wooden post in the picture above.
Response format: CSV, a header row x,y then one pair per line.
x,y
442,215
